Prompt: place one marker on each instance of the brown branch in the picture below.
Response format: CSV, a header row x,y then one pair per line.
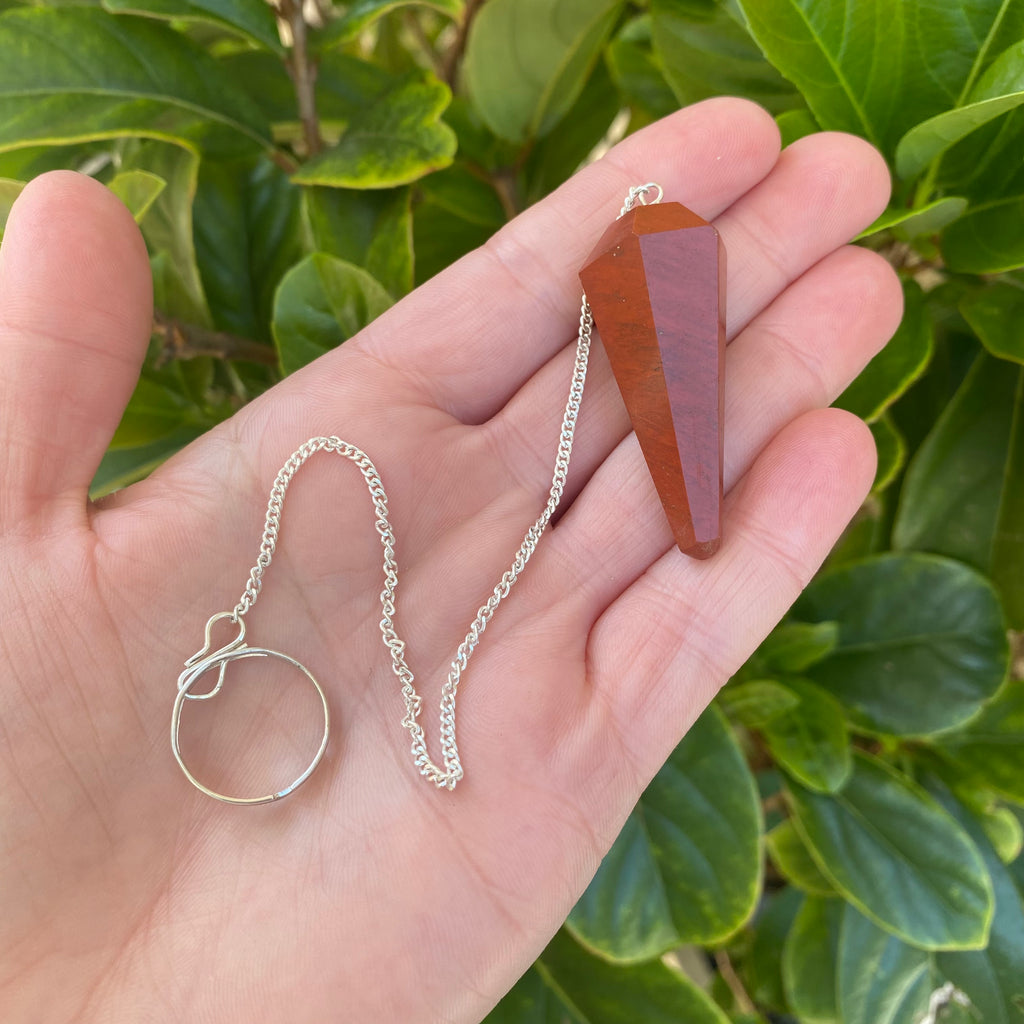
x,y
189,341
732,979
453,58
303,73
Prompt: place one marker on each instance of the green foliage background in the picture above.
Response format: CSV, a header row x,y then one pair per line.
x,y
840,835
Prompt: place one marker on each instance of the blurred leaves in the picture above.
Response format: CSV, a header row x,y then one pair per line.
x,y
527,60
705,50
255,21
964,492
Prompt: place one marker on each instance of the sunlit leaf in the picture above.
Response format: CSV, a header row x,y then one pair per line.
x,y
1001,89
138,190
396,139
78,73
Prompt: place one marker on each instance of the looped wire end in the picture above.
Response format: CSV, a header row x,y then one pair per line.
x,y
638,196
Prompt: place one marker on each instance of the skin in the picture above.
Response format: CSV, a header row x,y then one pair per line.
x,y
369,895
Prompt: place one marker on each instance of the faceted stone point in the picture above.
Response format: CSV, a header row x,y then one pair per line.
x,y
656,285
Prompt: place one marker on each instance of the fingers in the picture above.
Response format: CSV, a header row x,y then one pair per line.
x,y
823,190
798,355
75,315
474,334
661,652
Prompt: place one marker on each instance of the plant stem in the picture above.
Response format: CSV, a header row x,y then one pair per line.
x,y
453,58
303,73
189,341
732,979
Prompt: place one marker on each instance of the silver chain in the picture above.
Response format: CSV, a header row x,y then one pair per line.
x,y
452,771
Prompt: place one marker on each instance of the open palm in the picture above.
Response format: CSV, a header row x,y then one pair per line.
x,y
369,895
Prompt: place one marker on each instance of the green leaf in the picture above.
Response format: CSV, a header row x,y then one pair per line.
x,y
1004,831
898,365
532,1000
996,313
795,646
559,154
459,212
757,702
320,303
811,743
964,490
127,465
794,862
138,190
908,223
808,961
373,230
989,239
364,13
924,58
999,90
79,73
254,20
705,51
762,968
879,978
153,412
167,228
990,749
526,60
901,859
687,865
992,977
396,139
922,644
9,191
635,70
247,228
603,993
796,124
345,86
892,451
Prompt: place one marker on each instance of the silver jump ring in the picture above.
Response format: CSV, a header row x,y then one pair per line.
x,y
220,660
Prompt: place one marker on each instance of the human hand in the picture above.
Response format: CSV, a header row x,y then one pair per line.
x,y
368,895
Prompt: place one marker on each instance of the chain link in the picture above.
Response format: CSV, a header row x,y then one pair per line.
x,y
452,771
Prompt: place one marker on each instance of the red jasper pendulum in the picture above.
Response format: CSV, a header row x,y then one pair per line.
x,y
655,283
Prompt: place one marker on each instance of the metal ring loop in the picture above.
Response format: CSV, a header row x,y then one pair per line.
x,y
220,659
